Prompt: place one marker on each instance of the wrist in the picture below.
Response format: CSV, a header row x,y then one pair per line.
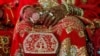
x,y
72,10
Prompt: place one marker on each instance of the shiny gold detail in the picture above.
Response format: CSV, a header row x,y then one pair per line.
x,y
59,31
97,23
4,40
41,28
70,2
8,20
68,30
74,23
8,7
81,34
82,12
82,51
48,3
5,49
65,47
75,51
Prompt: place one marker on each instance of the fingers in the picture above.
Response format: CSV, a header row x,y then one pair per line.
x,y
43,17
52,19
55,21
49,19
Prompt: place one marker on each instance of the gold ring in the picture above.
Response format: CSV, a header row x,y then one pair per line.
x,y
53,18
40,13
51,14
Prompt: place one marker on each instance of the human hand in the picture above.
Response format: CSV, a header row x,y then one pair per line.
x,y
52,16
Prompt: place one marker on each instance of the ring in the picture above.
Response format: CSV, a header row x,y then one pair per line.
x,y
53,18
40,13
51,14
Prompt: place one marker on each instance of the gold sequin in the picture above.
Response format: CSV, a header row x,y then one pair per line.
x,y
67,49
4,40
71,2
48,3
81,34
68,30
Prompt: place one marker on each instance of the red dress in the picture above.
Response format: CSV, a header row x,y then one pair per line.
x,y
96,42
66,38
22,3
91,10
6,32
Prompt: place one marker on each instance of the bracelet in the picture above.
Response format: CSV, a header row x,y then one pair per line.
x,y
71,10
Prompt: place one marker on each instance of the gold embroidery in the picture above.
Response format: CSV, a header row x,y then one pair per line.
x,y
74,23
71,23
81,34
41,28
59,31
4,40
71,2
71,50
8,20
9,8
68,30
48,3
75,51
65,47
82,51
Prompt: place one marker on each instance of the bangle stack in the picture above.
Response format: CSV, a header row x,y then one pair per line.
x,y
72,10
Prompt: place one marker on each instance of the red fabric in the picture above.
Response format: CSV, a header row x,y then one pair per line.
x,y
21,32
26,2
89,11
8,1
40,55
5,47
15,45
73,35
9,34
2,2
22,3
96,42
7,31
88,7
9,12
76,40
17,38
16,15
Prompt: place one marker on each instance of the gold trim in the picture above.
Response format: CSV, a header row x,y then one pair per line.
x,y
2,39
48,3
65,47
8,20
3,43
70,2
